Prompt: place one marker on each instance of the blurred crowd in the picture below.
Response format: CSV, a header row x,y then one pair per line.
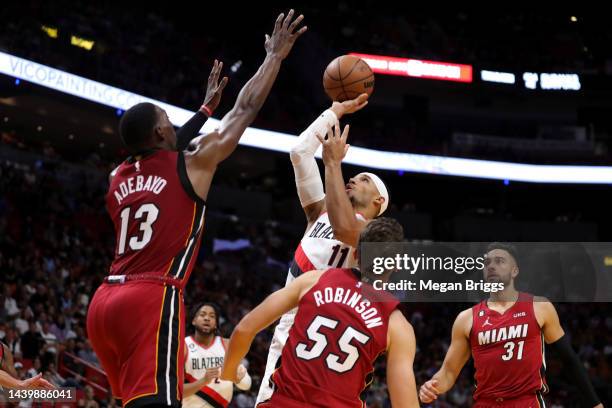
x,y
56,244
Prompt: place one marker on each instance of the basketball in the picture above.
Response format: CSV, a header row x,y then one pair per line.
x,y
347,77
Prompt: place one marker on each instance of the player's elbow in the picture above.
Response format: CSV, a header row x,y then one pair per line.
x,y
244,330
296,153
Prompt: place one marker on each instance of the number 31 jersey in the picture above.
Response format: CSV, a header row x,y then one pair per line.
x,y
157,215
508,351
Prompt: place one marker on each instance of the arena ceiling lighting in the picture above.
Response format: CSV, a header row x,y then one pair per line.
x,y
265,139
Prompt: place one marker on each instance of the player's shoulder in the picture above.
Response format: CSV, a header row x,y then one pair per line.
x,y
113,173
465,314
399,329
542,306
307,281
310,277
464,321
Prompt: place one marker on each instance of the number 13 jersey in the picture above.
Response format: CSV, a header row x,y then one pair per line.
x,y
157,215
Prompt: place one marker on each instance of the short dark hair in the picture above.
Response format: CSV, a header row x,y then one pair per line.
x,y
509,248
136,126
215,307
382,229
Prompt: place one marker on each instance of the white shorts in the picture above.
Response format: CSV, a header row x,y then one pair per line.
x,y
281,332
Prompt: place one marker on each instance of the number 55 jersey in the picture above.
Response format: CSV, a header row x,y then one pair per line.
x,y
340,330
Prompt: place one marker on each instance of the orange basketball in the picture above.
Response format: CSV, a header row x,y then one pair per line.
x,y
347,77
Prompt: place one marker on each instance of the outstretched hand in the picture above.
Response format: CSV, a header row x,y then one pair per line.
x,y
350,106
284,35
214,88
334,144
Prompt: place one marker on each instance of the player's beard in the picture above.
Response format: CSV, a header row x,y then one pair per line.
x,y
506,280
207,331
355,202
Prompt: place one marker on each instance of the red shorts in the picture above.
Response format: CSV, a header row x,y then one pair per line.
x,y
528,401
136,329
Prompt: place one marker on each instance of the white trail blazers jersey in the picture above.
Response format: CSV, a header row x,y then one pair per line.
x,y
197,359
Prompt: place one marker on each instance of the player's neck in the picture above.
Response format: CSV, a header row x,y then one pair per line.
x,y
204,339
504,298
363,211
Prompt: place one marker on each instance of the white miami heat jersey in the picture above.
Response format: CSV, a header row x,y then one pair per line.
x,y
320,250
197,359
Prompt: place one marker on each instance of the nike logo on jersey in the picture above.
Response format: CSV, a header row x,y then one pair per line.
x,y
487,323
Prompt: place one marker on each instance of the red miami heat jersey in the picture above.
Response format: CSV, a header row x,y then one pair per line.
x,y
157,215
508,351
336,337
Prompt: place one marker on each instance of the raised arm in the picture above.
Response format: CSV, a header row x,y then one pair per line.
x,y
341,213
214,147
307,177
214,89
457,355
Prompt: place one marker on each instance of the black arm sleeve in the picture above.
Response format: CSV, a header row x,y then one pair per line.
x,y
189,130
576,370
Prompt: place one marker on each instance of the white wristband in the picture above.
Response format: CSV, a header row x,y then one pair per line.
x,y
245,383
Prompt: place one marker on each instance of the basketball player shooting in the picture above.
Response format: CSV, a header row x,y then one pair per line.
x,y
337,336
156,200
335,219
205,355
505,335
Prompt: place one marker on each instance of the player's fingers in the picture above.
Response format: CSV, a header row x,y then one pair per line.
x,y
288,19
424,398
222,84
321,139
336,129
295,23
346,149
363,105
345,133
278,22
428,394
212,70
300,32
